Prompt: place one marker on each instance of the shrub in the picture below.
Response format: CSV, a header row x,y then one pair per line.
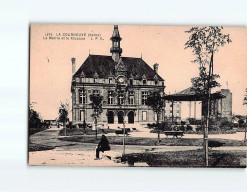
x,y
80,125
188,127
69,125
151,125
182,128
199,128
183,122
241,123
165,126
225,124
213,143
35,130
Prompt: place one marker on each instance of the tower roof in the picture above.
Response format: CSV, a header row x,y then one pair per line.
x,y
115,33
116,50
190,95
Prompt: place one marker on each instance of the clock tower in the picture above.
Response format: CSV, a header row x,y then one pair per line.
x,y
116,50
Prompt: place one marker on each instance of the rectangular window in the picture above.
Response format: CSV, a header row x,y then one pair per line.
x,y
110,80
131,81
144,97
131,98
81,115
121,99
96,80
121,96
74,99
82,97
110,97
144,115
144,81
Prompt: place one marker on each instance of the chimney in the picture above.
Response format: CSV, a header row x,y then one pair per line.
x,y
73,65
156,67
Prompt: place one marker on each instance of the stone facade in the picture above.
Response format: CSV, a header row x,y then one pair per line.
x,y
102,74
133,106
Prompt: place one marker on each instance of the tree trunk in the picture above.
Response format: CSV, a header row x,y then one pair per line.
x,y
158,129
96,129
123,135
206,131
208,111
65,130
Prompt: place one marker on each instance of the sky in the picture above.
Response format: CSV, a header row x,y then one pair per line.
x,y
51,67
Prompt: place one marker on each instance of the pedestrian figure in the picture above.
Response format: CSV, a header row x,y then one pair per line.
x,y
102,146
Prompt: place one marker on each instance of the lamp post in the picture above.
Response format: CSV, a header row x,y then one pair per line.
x,y
124,116
96,129
122,90
84,110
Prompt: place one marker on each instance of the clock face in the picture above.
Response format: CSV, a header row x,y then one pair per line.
x,y
121,79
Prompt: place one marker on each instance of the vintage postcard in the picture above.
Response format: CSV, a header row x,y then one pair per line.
x,y
129,95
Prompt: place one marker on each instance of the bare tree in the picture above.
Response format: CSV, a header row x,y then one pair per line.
x,y
205,43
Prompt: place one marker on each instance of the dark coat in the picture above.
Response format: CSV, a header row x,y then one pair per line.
x,y
104,144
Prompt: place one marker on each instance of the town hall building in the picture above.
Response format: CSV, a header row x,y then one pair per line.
x,y
101,74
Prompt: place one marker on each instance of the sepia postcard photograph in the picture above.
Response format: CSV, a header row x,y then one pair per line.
x,y
137,96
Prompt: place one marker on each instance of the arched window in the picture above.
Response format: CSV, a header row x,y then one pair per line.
x,y
110,117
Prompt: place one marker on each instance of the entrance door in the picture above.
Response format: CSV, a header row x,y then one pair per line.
x,y
110,117
131,117
120,117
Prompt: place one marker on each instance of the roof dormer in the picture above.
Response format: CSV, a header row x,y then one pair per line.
x,y
144,79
